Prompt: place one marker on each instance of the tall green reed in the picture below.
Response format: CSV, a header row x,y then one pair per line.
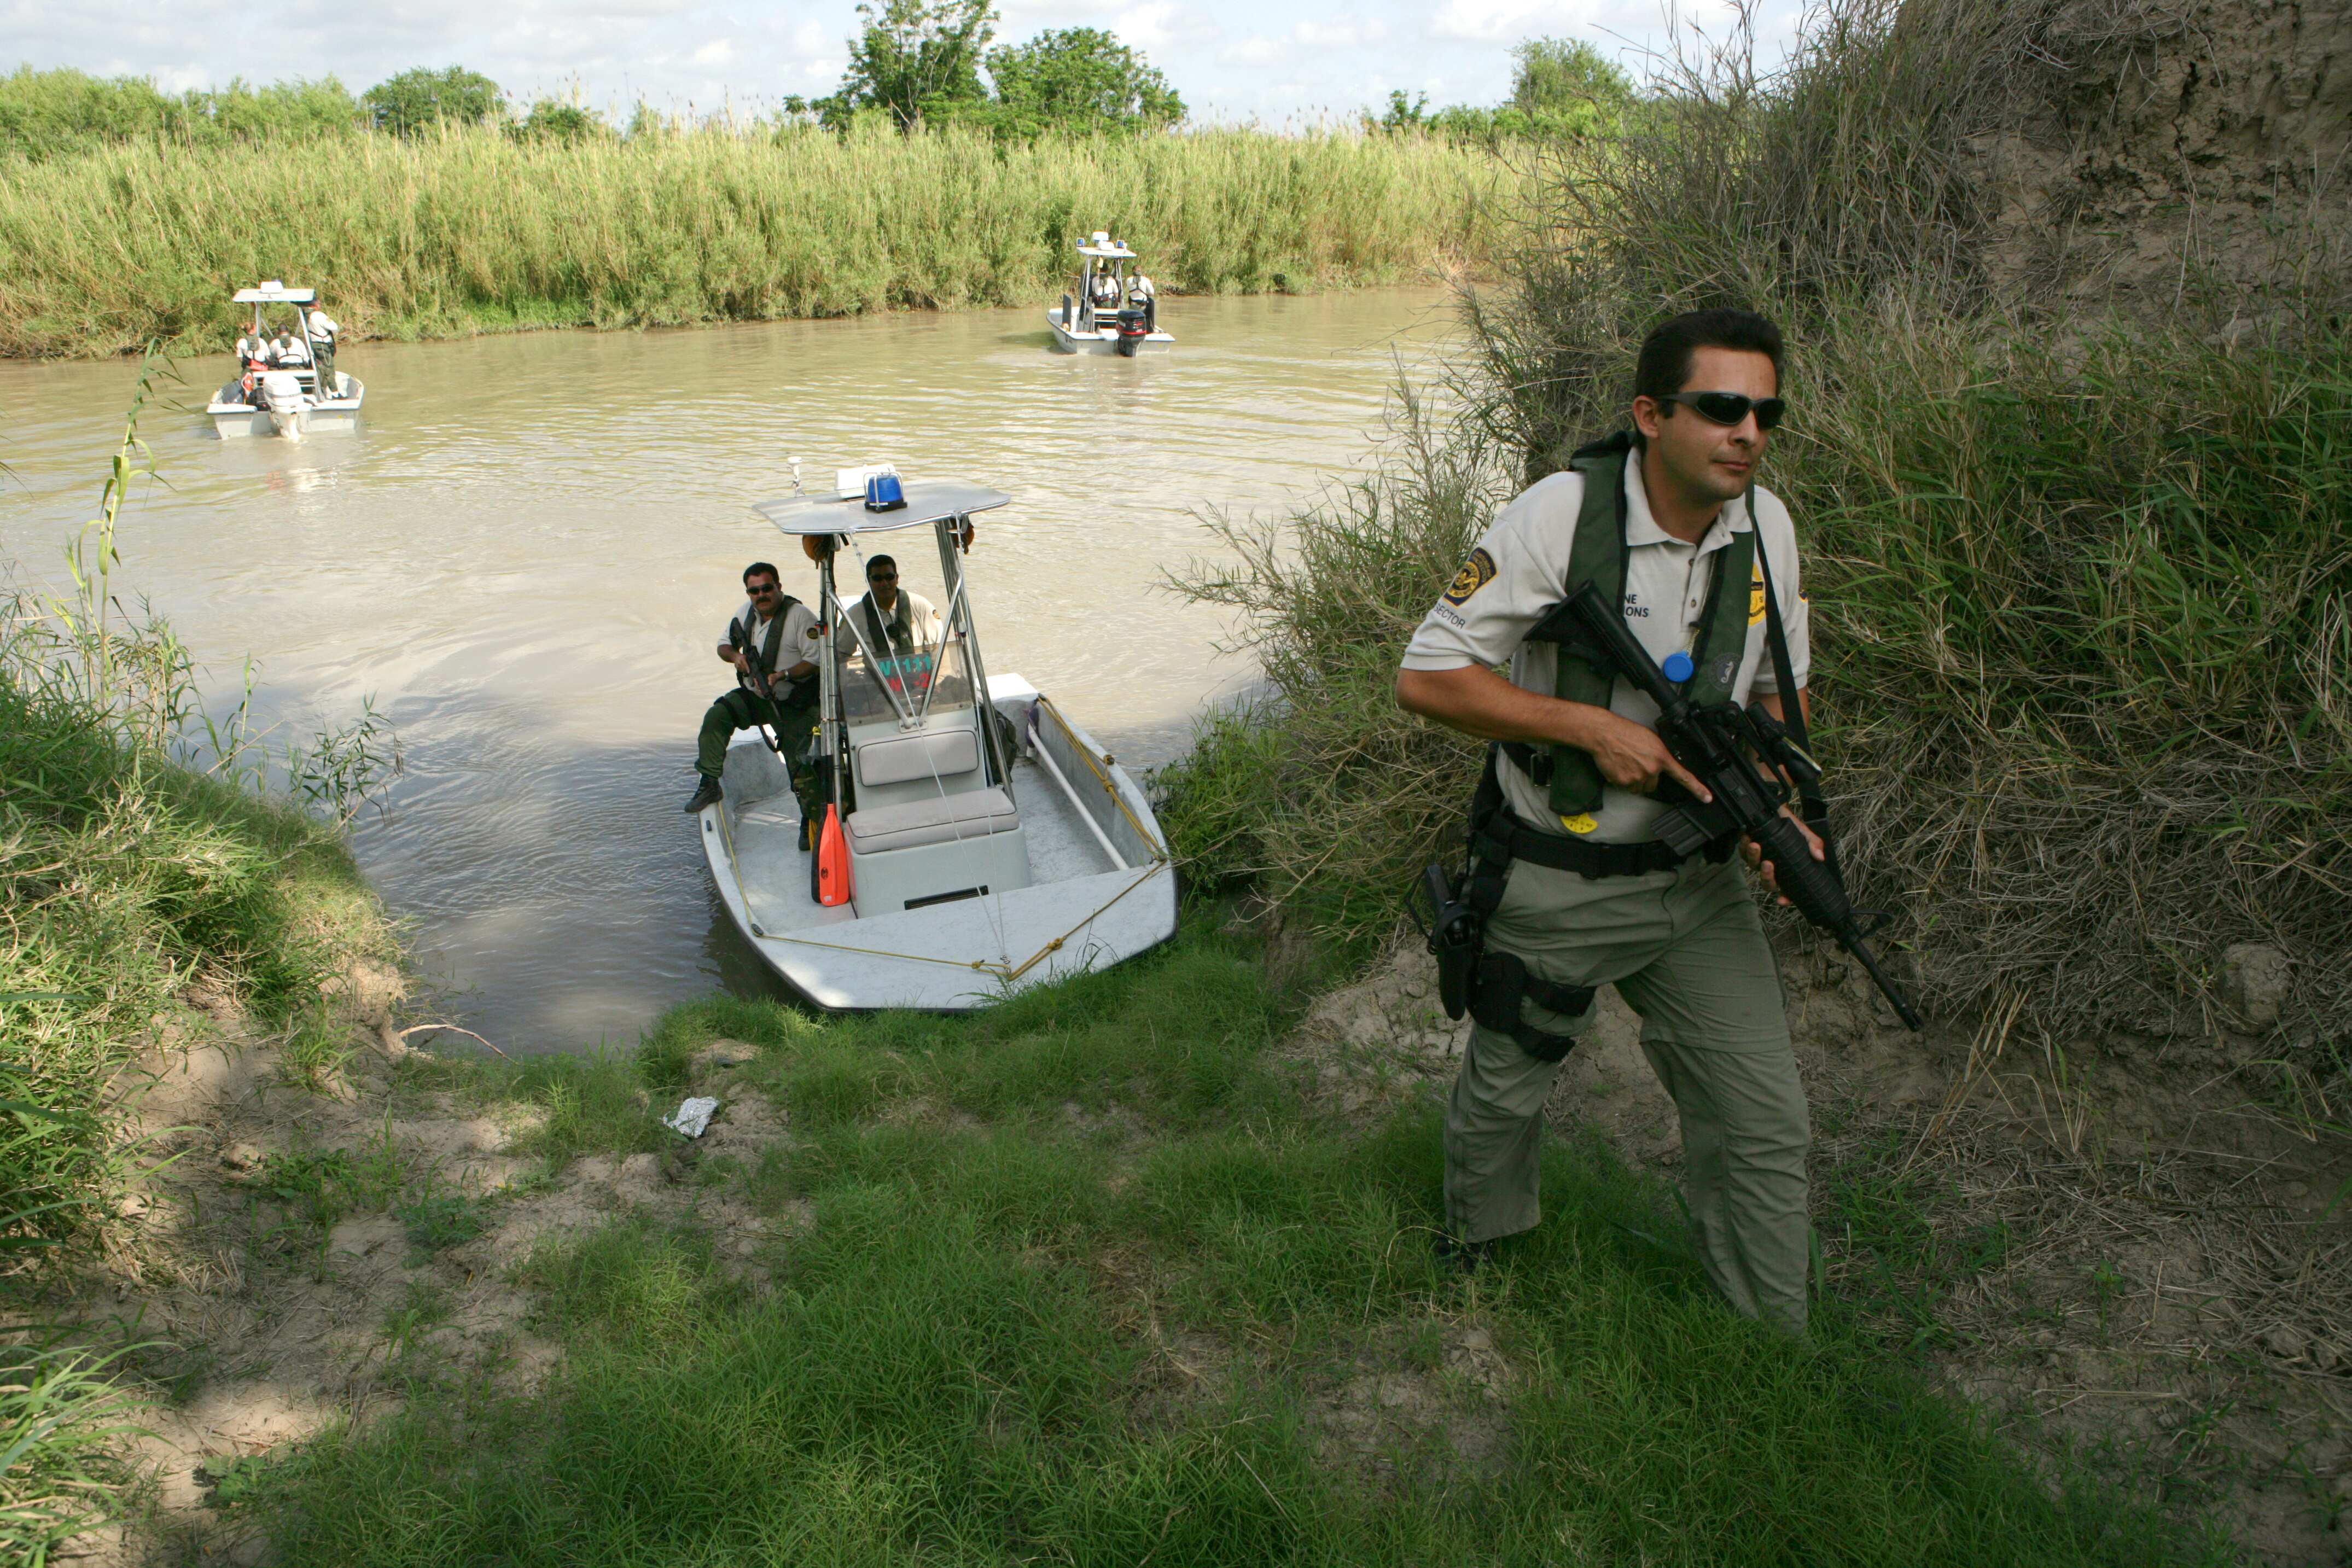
x,y
469,230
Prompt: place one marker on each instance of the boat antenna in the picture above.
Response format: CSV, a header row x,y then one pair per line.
x,y
795,462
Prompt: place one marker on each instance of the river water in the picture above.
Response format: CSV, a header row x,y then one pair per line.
x,y
527,554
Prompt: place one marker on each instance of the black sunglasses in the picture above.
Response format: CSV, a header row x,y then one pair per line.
x,y
881,576
1730,408
762,587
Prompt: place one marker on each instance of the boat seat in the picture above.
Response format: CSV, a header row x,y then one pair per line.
x,y
973,814
941,754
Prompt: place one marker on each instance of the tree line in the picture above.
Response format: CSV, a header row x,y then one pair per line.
x,y
912,63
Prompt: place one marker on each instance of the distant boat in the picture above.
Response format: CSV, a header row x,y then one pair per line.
x,y
1113,311
990,844
288,401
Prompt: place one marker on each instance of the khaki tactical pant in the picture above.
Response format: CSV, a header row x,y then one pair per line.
x,y
795,729
1686,951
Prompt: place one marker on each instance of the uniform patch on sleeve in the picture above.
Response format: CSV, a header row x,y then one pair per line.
x,y
1475,573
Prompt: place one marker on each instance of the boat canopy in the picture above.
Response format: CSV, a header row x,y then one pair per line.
x,y
928,501
274,293
1101,245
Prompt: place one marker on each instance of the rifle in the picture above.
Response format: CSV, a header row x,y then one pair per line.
x,y
1719,743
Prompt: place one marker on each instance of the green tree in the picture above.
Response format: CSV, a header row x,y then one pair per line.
x,y
553,120
407,103
1079,79
1565,87
917,60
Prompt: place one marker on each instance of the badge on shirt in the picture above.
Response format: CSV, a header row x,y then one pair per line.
x,y
1475,573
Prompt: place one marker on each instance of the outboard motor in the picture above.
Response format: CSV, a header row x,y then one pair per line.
x,y
1134,326
281,393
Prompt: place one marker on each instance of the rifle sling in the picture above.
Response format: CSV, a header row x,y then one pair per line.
x,y
1813,807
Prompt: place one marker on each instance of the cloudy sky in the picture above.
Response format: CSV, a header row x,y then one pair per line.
x,y
1272,60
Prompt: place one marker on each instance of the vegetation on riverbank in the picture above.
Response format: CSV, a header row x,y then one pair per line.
x,y
470,230
1098,1275
2083,607
137,869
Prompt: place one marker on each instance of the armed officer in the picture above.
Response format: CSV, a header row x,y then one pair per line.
x,y
773,643
1589,894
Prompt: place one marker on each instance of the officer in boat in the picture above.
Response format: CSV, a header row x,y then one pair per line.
x,y
286,350
1588,895
322,331
890,624
253,347
772,643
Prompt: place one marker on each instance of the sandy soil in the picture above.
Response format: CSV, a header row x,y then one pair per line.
x,y
258,1329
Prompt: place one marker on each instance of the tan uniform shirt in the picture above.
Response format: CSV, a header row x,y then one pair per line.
x,y
1520,571
799,644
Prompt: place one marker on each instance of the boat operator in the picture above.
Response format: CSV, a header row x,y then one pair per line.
x,y
892,624
322,331
285,350
1589,894
773,643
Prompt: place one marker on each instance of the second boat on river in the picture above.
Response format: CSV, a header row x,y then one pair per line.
x,y
1112,310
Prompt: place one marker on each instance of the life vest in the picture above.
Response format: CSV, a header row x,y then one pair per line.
x,y
1598,555
788,691
892,637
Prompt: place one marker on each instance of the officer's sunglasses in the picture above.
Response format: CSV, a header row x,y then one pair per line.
x,y
1730,408
757,589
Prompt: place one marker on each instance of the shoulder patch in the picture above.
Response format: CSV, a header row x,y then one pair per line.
x,y
1475,573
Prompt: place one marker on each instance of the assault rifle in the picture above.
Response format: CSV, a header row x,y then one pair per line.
x,y
1719,743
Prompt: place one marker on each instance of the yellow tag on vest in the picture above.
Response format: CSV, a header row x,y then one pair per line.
x,y
1756,594
1583,822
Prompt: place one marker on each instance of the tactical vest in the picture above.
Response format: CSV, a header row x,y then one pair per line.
x,y
764,657
1598,555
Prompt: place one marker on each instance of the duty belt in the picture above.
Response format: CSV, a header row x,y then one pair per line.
x,y
1504,838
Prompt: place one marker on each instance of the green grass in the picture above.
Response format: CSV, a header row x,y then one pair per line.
x,y
471,230
991,1231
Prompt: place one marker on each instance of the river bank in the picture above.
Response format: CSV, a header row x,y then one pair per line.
x,y
1138,1264
471,231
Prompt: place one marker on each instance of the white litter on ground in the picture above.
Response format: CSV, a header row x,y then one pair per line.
x,y
692,1116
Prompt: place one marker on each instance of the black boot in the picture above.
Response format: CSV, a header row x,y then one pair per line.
x,y
707,794
1459,1257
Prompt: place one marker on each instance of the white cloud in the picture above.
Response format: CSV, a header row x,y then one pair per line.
x,y
1498,21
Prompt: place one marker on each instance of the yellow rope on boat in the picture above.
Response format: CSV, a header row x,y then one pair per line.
x,y
1117,797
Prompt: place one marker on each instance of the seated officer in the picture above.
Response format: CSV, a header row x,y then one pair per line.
x,y
772,643
889,624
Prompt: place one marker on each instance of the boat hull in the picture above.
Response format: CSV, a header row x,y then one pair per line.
x,y
1104,339
337,415
1084,909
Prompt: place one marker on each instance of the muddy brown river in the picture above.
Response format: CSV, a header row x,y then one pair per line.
x,y
525,557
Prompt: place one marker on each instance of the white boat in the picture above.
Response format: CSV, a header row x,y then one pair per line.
x,y
990,845
1113,310
289,400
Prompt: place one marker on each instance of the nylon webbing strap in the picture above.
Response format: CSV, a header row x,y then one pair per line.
x,y
1815,808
